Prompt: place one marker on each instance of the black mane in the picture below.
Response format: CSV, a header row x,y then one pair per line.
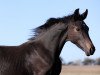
x,y
49,23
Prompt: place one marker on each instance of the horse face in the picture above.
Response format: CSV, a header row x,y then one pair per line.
x,y
78,33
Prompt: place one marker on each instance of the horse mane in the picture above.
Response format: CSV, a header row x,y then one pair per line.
x,y
49,23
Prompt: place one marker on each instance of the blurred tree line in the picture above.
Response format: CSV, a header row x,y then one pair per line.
x,y
86,61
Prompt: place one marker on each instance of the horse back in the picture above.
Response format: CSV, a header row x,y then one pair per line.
x,y
12,60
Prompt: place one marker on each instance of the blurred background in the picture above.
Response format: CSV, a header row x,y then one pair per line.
x,y
18,17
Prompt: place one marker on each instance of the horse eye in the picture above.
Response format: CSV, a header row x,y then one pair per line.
x,y
77,29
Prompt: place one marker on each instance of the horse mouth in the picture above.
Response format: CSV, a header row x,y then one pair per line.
x,y
90,52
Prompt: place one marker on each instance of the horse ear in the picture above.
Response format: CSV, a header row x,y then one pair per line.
x,y
76,14
84,15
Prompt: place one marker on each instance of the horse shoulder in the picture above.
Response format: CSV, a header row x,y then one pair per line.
x,y
35,60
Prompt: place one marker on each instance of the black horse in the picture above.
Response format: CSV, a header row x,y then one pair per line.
x,y
40,55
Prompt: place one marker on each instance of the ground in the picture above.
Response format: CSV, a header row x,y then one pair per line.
x,y
80,70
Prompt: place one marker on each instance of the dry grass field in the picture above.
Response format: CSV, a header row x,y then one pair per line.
x,y
80,70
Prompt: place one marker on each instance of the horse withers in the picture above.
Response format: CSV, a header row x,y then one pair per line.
x,y
40,55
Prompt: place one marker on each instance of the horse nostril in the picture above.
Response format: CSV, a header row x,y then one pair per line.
x,y
92,50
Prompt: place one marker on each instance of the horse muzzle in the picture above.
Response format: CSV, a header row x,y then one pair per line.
x,y
90,51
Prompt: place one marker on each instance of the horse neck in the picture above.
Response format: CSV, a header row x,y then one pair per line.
x,y
52,37
62,42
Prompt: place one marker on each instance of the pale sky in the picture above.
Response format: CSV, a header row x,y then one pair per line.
x,y
17,18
